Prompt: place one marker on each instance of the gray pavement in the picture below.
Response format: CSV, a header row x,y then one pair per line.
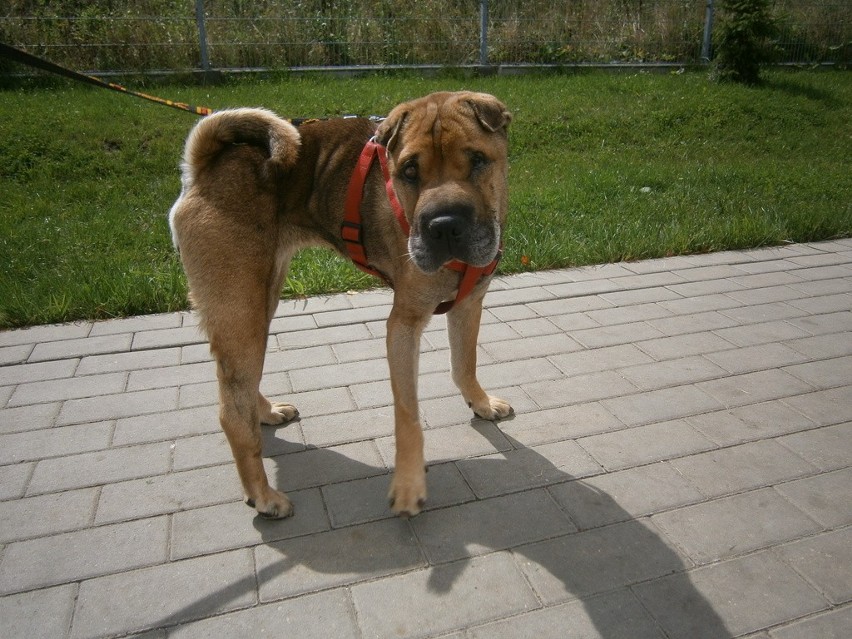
x,y
679,465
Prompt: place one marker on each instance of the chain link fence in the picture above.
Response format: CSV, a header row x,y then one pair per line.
x,y
190,35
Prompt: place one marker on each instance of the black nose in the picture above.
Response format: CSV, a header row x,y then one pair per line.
x,y
447,227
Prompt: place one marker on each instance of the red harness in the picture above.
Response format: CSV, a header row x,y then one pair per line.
x,y
351,230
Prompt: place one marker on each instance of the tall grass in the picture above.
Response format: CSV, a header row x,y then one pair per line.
x,y
147,35
603,168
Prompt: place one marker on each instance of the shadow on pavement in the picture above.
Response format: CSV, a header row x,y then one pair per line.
x,y
593,566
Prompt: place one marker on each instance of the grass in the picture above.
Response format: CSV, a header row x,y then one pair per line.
x,y
604,167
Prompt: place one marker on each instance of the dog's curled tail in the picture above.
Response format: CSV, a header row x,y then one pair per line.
x,y
256,127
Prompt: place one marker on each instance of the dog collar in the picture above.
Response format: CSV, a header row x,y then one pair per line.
x,y
351,230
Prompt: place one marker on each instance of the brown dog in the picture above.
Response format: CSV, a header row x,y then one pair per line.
x,y
256,189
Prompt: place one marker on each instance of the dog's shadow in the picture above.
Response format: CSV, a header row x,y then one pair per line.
x,y
566,563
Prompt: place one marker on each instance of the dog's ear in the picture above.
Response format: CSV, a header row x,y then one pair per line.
x,y
388,132
492,114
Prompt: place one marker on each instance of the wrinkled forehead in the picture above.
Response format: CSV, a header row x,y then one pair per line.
x,y
441,128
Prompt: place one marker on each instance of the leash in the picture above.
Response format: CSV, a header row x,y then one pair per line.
x,y
27,58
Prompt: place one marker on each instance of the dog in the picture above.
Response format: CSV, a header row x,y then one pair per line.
x,y
419,200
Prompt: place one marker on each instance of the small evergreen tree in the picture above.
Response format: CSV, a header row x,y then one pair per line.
x,y
745,27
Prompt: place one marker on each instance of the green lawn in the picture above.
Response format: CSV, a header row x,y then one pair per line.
x,y
604,167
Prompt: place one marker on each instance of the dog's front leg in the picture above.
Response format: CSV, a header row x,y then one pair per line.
x,y
408,488
463,330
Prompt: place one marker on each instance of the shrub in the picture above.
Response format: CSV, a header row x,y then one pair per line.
x,y
742,40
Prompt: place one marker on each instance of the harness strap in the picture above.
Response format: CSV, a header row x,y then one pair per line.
x,y
351,230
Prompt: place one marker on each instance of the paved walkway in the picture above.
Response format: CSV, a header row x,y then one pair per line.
x,y
679,465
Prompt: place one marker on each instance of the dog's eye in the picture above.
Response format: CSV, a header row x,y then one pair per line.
x,y
410,172
478,161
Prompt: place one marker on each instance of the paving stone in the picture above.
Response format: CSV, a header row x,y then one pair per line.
x,y
52,442
167,337
827,498
704,288
528,347
321,336
675,372
839,322
362,500
694,323
46,514
121,362
165,595
823,346
335,558
825,561
321,466
80,347
537,327
518,296
165,426
616,334
69,388
92,409
99,467
28,418
451,443
213,448
39,614
47,333
678,346
753,388
578,389
756,358
320,616
767,295
203,531
14,479
171,376
484,526
573,304
23,373
312,378
734,525
823,374
740,468
729,599
646,294
616,615
525,468
597,561
327,430
660,405
600,359
533,427
627,314
168,493
834,624
764,333
624,495
701,304
824,407
822,304
414,605
73,556
827,448
645,444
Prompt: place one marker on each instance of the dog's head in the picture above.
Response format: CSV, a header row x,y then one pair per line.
x,y
447,156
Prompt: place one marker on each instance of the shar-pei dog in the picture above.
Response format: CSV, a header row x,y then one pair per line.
x,y
418,199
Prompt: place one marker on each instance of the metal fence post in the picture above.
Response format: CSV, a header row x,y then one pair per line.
x,y
708,32
483,33
202,36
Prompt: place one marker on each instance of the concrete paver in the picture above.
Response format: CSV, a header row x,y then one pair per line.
x,y
679,466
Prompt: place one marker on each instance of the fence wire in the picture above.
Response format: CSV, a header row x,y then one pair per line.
x,y
151,35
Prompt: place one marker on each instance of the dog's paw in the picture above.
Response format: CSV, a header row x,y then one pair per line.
x,y
273,505
278,414
407,494
493,408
